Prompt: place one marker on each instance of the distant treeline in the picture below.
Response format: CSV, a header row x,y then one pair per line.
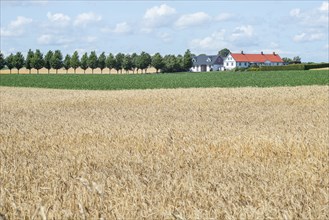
x,y
134,62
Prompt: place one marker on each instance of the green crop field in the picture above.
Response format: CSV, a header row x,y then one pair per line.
x,y
178,80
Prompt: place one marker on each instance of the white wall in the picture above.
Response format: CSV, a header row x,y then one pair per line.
x,y
229,62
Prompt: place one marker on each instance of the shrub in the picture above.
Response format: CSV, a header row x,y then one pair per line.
x,y
288,67
316,65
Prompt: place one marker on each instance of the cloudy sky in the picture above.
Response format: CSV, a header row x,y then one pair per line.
x,y
290,28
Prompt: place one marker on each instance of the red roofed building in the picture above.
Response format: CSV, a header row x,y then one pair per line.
x,y
243,60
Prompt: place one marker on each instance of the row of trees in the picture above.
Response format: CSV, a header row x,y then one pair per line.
x,y
134,62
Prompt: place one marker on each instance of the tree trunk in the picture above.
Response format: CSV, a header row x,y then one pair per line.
x,y
66,71
10,71
109,71
74,70
18,71
84,71
56,71
37,71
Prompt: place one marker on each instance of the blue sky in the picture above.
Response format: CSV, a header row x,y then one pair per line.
x,y
290,28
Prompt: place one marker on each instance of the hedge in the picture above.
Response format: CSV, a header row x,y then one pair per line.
x,y
315,66
295,67
288,67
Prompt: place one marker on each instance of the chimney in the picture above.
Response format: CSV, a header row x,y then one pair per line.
x,y
262,53
274,53
241,51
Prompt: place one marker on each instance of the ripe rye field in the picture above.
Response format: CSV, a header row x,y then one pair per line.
x,y
206,153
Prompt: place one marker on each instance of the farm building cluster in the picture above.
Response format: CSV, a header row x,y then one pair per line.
x,y
205,63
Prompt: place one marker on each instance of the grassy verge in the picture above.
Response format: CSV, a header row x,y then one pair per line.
x,y
181,80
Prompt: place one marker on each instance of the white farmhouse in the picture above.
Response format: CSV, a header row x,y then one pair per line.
x,y
242,60
205,63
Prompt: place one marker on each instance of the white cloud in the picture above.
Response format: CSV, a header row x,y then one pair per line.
x,y
324,7
90,39
224,17
195,19
295,12
122,28
159,15
305,37
312,17
243,31
47,39
16,27
59,19
82,20
214,41
165,37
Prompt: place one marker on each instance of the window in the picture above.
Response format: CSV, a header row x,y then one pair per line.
x,y
226,64
232,64
245,64
239,64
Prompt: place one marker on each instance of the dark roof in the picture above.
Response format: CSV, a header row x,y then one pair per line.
x,y
207,60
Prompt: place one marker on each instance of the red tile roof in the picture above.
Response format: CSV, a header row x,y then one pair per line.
x,y
256,58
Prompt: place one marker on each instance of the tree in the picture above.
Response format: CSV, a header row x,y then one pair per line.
x,y
144,61
19,61
286,60
75,62
92,61
187,61
134,58
102,61
297,59
224,52
110,62
127,63
179,61
67,62
157,62
84,62
29,57
118,62
2,61
47,60
171,64
10,62
37,61
57,60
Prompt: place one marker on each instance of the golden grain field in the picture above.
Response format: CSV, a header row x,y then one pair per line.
x,y
247,153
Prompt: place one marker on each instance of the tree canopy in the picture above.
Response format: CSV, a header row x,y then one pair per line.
x,y
57,60
10,62
75,62
19,61
2,61
67,62
37,61
102,61
92,61
110,62
28,59
84,62
224,52
157,62
47,60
